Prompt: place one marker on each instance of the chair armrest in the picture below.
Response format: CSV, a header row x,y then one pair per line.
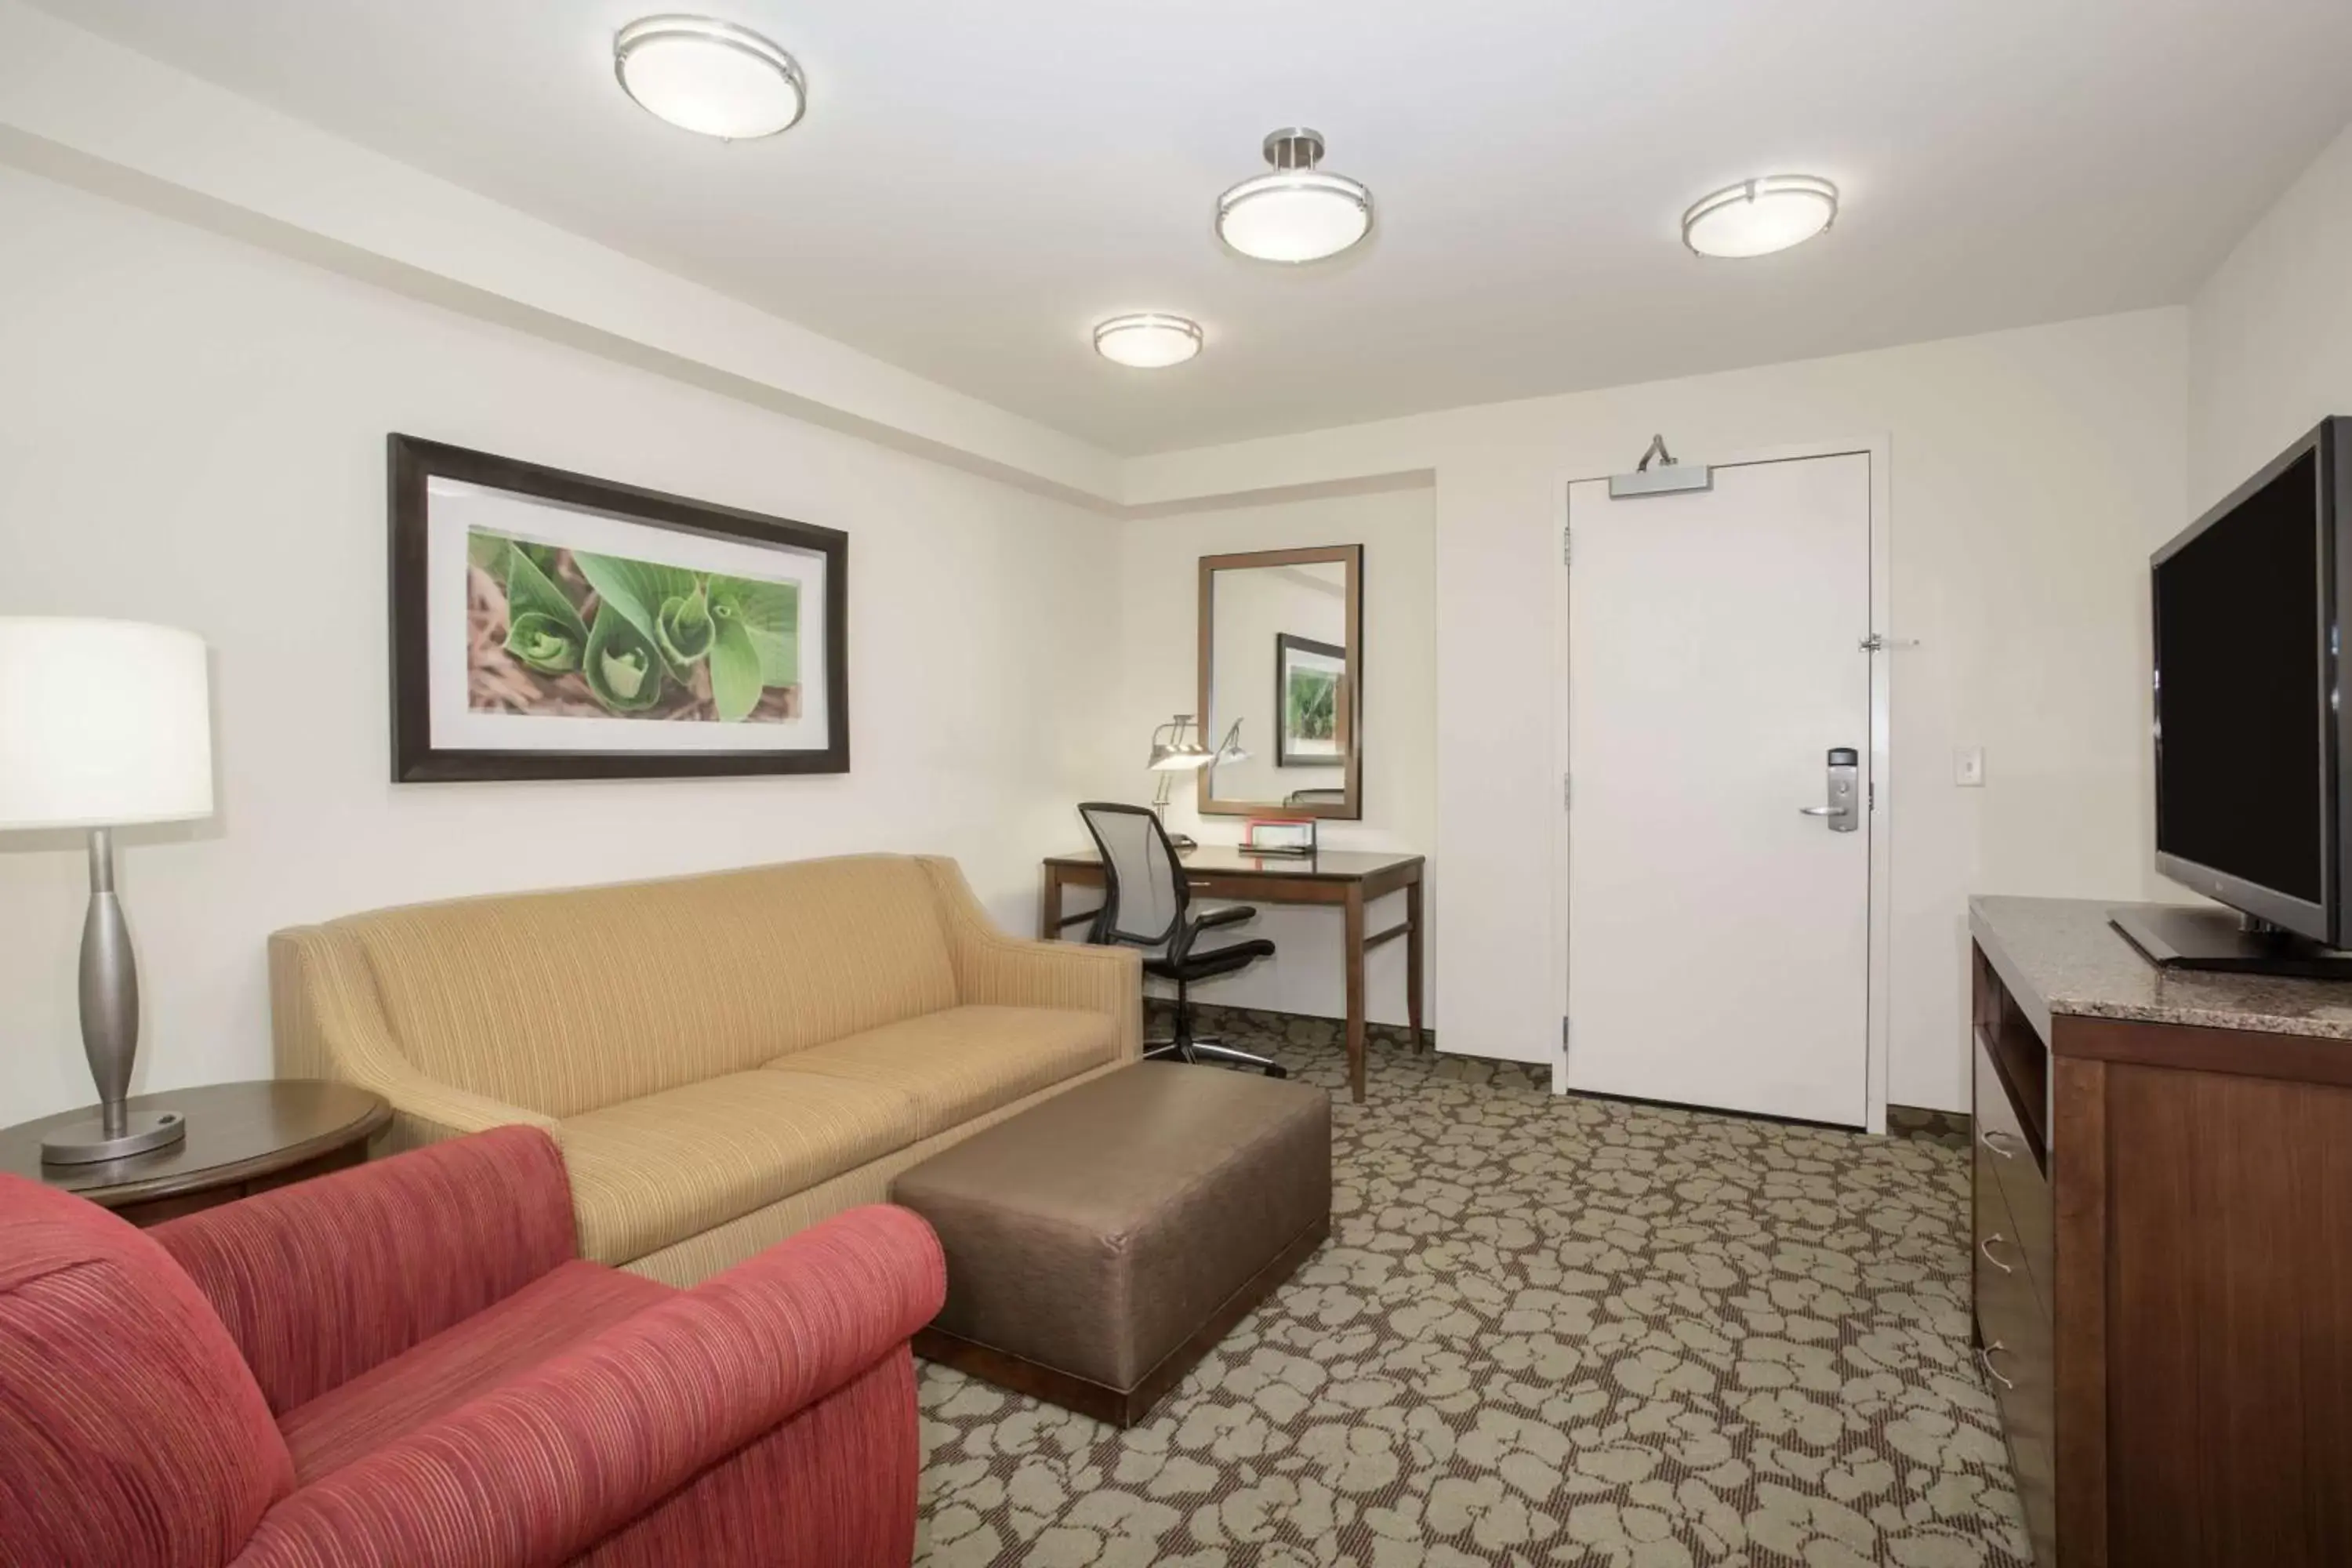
x,y
1181,946
326,1022
994,968
320,1281
537,1470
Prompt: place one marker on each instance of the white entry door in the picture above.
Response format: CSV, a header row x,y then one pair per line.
x,y
1718,937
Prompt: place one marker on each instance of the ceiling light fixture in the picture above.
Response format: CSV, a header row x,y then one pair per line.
x,y
712,78
1757,217
1147,340
1297,213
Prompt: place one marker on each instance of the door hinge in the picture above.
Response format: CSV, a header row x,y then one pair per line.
x,y
1564,550
1564,796
1563,1035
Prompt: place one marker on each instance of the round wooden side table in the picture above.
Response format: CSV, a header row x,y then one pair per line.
x,y
243,1138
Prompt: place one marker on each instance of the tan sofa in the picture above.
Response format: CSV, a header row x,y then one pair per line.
x,y
724,1059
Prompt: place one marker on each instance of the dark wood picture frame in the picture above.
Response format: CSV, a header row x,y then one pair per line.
x,y
1284,643
412,461
1349,807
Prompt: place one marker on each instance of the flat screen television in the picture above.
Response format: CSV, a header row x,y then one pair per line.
x,y
2253,794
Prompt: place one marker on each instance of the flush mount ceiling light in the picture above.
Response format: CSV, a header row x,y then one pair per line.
x,y
1297,213
713,78
1147,340
1757,217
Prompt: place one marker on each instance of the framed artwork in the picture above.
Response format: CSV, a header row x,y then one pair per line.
x,y
546,625
1310,694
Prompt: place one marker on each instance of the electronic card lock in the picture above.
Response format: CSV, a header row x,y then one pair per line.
x,y
1842,812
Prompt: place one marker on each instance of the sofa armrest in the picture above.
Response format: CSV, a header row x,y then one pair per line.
x,y
994,968
320,1281
325,1023
537,1470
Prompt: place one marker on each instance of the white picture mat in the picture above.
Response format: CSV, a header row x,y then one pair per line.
x,y
454,508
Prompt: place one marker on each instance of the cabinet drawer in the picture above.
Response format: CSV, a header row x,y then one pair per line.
x,y
2005,1158
2014,1272
2017,1355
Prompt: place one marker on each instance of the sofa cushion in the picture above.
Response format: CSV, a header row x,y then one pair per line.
x,y
130,1432
577,1302
956,1064
564,1002
662,1167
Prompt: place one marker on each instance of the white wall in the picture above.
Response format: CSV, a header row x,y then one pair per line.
x,y
79,106
2031,471
2270,337
192,431
1158,656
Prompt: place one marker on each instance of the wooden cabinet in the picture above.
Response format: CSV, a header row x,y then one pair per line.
x,y
2163,1275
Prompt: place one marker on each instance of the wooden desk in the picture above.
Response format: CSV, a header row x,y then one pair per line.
x,y
1347,878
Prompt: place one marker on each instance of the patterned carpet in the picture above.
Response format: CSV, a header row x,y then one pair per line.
x,y
1545,1330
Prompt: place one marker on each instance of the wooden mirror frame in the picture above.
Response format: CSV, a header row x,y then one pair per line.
x,y
1351,696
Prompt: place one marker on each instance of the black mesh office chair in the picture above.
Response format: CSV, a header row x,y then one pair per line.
x,y
1145,905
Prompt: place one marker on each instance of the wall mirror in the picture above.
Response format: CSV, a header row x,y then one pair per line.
x,y
1282,655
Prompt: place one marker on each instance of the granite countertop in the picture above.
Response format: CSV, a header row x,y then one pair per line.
x,y
2061,956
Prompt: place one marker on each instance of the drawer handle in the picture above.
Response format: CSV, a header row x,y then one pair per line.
x,y
1987,1137
1985,1246
1984,1359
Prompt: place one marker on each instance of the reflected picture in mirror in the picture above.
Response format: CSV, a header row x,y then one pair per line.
x,y
1280,660
1310,676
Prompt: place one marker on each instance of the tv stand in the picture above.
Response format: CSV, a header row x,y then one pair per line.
x,y
2162,1283
2183,936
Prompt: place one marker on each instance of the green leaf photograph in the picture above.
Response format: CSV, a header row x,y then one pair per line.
x,y
570,634
1311,711
1310,693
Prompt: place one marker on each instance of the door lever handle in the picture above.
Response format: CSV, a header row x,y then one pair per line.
x,y
1820,810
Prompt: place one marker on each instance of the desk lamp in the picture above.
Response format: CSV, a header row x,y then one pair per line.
x,y
1172,753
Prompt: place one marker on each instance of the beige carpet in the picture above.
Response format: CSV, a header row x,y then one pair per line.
x,y
1545,1330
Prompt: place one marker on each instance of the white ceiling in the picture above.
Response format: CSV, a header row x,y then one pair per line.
x,y
977,184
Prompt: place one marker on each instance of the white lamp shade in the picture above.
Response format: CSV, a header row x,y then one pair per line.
x,y
1758,218
1294,216
102,724
709,76
1150,340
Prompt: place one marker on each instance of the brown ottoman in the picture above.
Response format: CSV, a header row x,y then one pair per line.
x,y
1100,1243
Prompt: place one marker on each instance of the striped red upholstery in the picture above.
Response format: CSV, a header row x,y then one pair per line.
x,y
472,1396
833,1487
549,1315
547,1466
321,1282
130,1433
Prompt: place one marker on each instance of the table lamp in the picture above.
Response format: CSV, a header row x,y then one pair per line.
x,y
104,724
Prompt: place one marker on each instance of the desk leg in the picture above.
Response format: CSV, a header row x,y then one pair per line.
x,y
1355,949
1412,964
1049,909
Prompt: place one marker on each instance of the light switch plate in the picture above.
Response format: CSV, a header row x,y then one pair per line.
x,y
1967,767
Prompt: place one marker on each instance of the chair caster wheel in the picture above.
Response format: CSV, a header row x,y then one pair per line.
x,y
1275,1070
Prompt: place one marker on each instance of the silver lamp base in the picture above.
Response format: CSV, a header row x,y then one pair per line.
x,y
110,1034
86,1143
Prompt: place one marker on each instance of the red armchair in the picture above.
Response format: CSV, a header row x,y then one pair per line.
x,y
406,1365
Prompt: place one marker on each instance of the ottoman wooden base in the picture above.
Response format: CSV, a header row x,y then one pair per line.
x,y
1119,1406
1099,1245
